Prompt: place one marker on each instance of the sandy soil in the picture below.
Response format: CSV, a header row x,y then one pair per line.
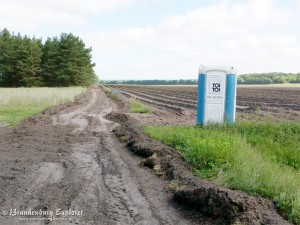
x,y
68,159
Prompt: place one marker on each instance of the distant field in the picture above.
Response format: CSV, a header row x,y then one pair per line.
x,y
19,103
279,101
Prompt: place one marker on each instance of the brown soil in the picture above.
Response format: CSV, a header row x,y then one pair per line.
x,y
69,158
232,207
253,102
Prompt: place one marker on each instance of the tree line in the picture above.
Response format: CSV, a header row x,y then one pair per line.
x,y
268,78
259,78
59,61
151,82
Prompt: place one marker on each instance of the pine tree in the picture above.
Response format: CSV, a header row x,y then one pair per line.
x,y
28,65
67,62
63,61
75,61
50,62
6,58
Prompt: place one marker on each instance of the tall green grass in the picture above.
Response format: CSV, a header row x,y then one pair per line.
x,y
19,103
258,158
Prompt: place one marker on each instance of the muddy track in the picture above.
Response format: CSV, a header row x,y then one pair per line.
x,y
227,206
68,158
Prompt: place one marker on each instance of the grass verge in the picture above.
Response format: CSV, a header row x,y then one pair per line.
x,y
137,107
258,158
17,104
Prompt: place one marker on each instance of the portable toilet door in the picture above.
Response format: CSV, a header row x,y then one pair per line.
x,y
211,95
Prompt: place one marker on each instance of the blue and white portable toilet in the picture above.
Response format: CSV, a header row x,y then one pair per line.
x,y
216,95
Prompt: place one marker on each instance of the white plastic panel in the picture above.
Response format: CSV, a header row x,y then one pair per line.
x,y
215,96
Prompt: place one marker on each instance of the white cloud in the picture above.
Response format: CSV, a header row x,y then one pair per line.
x,y
78,6
255,36
28,15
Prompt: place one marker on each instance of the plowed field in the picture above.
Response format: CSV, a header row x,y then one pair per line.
x,y
274,101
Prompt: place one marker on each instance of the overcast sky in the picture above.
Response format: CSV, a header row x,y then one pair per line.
x,y
168,39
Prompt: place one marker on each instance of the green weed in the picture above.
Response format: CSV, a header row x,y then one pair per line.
x,y
258,158
137,107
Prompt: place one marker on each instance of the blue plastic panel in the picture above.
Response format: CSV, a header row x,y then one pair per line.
x,y
230,100
201,98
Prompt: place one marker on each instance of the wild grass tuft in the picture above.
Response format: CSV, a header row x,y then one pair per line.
x,y
258,158
18,103
137,107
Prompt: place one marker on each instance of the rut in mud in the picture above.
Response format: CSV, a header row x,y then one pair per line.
x,y
68,159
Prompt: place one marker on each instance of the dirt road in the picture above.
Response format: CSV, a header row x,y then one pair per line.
x,y
66,167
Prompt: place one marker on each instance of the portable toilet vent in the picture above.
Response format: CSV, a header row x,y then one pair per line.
x,y
216,95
